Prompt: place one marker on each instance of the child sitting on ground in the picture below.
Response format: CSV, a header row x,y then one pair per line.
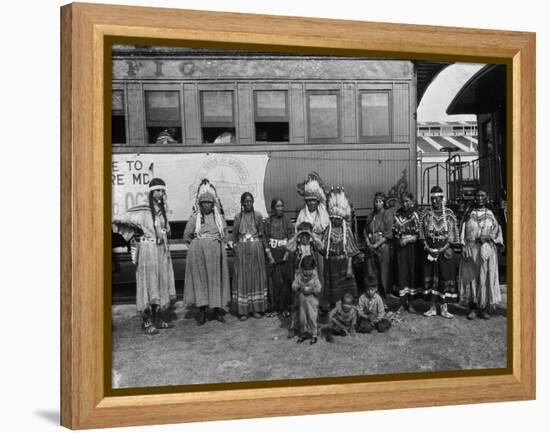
x,y
306,287
342,318
370,311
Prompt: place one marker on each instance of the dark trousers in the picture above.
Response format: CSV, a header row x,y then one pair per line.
x,y
377,268
366,326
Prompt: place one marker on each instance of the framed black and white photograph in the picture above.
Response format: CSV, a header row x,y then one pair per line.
x,y
229,168
312,223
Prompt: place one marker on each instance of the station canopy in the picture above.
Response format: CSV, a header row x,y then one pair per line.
x,y
482,93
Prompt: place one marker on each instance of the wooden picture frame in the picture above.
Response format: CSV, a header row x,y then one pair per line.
x,y
87,31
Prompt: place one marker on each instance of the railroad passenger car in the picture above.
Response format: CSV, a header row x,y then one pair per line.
x,y
259,122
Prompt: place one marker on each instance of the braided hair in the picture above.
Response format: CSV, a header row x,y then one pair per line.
x,y
243,198
155,182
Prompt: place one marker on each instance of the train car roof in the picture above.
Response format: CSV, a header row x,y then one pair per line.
x,y
426,71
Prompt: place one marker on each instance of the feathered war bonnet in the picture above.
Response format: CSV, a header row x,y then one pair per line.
x,y
206,192
338,206
313,189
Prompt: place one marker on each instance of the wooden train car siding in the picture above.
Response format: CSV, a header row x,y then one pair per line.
x,y
401,112
297,108
192,121
361,172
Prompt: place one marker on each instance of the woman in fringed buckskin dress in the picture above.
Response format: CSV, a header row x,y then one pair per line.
x,y
155,287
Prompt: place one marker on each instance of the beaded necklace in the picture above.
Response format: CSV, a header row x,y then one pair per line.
x,y
481,220
336,237
432,228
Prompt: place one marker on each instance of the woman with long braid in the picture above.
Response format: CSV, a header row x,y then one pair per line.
x,y
207,272
148,225
250,284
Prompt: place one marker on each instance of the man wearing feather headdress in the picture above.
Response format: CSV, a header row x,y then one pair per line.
x,y
206,273
315,213
148,225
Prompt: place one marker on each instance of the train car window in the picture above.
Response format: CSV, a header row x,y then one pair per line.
x,y
218,117
375,116
323,116
271,116
118,118
163,117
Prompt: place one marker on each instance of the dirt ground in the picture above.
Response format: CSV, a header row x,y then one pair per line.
x,y
258,349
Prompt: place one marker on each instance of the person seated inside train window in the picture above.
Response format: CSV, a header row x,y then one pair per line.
x,y
225,137
167,136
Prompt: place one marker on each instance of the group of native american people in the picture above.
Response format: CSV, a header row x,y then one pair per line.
x,y
305,269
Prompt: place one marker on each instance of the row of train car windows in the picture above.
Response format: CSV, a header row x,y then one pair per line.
x,y
163,118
